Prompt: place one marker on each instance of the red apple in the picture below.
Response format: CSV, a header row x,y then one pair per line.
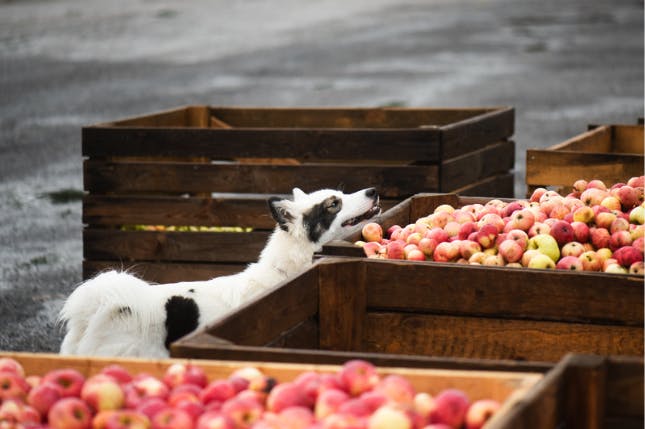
x,y
389,417
620,239
584,214
394,249
451,406
181,373
628,255
356,407
415,255
285,395
102,392
563,232
637,267
214,420
373,399
43,396
151,406
590,261
372,231
510,250
328,402
118,372
12,386
571,263
446,252
537,194
598,184
628,196
580,231
572,249
70,413
243,412
396,389
126,419
70,381
468,248
218,390
599,237
8,364
172,418
358,376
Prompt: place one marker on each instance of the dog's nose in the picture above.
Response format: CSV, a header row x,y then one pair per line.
x,y
371,192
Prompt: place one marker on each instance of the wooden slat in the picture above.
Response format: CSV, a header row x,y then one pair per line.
x,y
628,139
179,211
178,117
474,133
499,186
163,272
103,244
487,338
563,168
278,310
584,390
505,292
598,139
477,165
342,309
387,117
625,388
132,177
301,144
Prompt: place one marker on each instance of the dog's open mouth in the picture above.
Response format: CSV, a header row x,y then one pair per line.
x,y
376,209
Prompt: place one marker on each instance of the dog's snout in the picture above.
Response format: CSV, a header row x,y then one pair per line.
x,y
371,193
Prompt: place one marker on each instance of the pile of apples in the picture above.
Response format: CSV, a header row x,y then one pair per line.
x,y
355,397
593,228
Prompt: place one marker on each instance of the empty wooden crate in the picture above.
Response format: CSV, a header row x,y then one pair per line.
x,y
611,153
402,308
156,185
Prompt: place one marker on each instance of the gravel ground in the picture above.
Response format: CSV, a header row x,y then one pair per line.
x,y
68,63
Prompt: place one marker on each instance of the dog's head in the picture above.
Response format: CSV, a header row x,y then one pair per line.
x,y
323,215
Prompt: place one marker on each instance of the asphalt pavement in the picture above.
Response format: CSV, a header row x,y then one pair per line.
x,y
68,63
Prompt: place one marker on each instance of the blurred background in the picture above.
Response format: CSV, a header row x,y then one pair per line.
x,y
64,64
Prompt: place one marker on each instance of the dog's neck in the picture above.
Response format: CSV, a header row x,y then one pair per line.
x,y
286,255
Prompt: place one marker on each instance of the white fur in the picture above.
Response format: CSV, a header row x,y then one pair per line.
x,y
96,326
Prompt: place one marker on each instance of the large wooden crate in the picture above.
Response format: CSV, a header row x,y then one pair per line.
x,y
409,310
611,153
583,392
215,166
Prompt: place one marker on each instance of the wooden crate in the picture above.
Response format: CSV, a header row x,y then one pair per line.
x,y
505,387
215,166
611,153
583,392
367,306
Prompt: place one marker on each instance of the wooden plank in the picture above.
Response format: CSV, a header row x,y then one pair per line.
x,y
499,186
105,244
628,139
201,345
279,309
177,117
563,168
476,132
477,384
624,390
504,292
598,139
180,211
304,335
132,177
301,144
163,272
488,338
342,309
584,390
321,117
477,165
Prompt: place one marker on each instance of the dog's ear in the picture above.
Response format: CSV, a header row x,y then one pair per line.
x,y
298,194
280,211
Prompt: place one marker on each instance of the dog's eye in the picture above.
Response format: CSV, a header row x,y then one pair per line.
x,y
334,204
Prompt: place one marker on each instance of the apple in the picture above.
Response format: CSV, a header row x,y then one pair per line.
x,y
522,219
580,231
358,376
172,418
584,214
118,372
528,255
397,389
637,267
414,238
43,396
598,184
468,248
243,412
182,373
571,263
440,219
451,406
394,249
492,219
427,246
8,364
510,250
538,228
389,417
462,216
102,392
590,261
611,202
446,252
545,244
599,237
604,219
615,269
12,386
371,248
519,236
620,224
126,419
190,392
541,261
285,395
219,390
480,412
563,232
477,258
69,413
486,235
438,234
372,231
637,215
328,402
559,211
636,231
628,196
636,181
415,255
150,406
628,255
537,194
572,248
15,414
620,239
214,420
70,381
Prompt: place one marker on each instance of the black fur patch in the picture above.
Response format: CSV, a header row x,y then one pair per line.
x,y
182,317
191,290
125,311
279,213
320,217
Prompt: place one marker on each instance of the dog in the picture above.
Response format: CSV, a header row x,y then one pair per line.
x,y
118,314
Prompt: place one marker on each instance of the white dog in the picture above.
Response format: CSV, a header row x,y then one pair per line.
x,y
117,314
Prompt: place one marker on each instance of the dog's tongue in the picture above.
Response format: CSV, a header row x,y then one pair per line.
x,y
367,215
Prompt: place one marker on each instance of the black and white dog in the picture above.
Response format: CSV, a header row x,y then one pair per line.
x,y
117,314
